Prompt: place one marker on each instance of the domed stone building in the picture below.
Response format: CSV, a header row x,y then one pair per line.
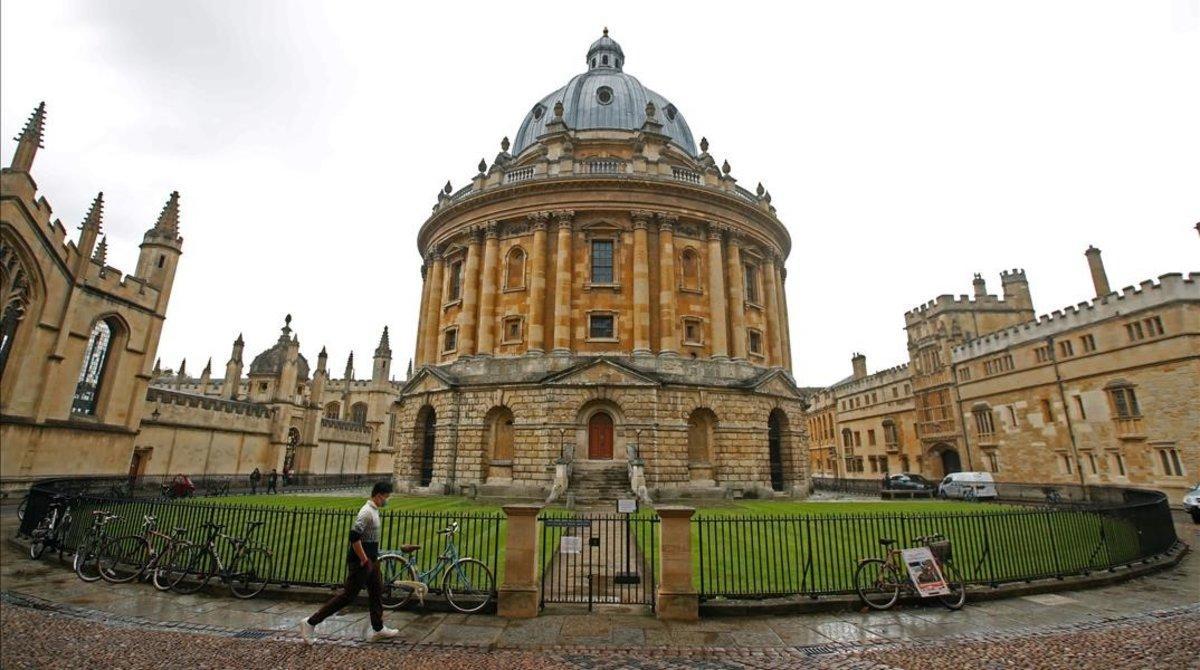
x,y
600,297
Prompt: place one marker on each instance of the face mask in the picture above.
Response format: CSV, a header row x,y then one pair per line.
x,y
382,503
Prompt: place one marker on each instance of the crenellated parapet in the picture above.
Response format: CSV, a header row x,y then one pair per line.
x,y
1149,294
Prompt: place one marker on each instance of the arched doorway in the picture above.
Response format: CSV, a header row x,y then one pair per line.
x,y
950,461
498,443
776,424
700,431
600,436
426,444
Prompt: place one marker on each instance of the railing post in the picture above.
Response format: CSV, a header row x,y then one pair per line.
x,y
677,597
520,593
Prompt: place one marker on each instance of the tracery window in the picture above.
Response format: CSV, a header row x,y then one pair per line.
x,y
15,297
91,375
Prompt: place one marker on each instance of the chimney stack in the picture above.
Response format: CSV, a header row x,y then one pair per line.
x,y
860,365
1096,265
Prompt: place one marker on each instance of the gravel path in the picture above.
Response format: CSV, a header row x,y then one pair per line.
x,y
31,638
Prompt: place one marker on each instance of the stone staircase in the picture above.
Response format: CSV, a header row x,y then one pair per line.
x,y
599,482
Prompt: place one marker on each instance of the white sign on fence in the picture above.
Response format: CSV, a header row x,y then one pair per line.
x,y
570,544
626,505
925,573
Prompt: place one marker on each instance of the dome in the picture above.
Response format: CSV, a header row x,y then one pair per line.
x,y
604,97
270,362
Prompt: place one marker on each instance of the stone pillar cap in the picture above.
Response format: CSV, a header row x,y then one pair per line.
x,y
675,511
530,509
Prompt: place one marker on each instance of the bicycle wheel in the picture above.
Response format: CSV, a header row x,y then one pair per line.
x,y
37,543
469,585
392,569
958,590
61,533
21,508
87,560
165,568
192,566
124,558
877,583
249,574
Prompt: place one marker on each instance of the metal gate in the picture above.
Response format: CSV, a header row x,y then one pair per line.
x,y
599,559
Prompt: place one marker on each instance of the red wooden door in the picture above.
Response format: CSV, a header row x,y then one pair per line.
x,y
600,436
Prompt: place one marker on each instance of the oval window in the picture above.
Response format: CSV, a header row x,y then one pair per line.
x,y
604,95
538,110
671,112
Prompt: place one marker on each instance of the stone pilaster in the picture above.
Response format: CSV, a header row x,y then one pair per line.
x,y
537,284
785,326
641,282
487,291
470,296
716,294
431,321
737,298
419,354
774,329
668,337
562,282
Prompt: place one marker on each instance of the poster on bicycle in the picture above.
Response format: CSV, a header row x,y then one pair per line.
x,y
925,573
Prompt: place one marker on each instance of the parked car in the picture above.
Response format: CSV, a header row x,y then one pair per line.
x,y
978,485
1191,503
905,481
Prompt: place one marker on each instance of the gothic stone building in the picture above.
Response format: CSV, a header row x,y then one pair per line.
x,y
603,291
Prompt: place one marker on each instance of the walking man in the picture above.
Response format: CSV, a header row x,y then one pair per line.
x,y
255,478
361,570
272,480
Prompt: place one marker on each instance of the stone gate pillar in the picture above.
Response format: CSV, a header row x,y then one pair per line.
x,y
677,599
521,591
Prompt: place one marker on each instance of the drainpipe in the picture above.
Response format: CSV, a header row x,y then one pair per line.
x,y
1062,396
959,416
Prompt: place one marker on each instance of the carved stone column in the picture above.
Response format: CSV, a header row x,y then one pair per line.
x,y
668,338
785,324
470,296
537,284
641,282
431,323
774,330
562,282
737,298
716,294
487,291
419,354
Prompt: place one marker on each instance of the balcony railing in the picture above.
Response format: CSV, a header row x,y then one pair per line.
x,y
683,174
520,174
605,166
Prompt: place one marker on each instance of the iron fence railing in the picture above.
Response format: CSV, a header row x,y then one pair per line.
x,y
815,555
308,546
173,485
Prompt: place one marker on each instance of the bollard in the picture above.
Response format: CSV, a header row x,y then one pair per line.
x,y
520,593
677,597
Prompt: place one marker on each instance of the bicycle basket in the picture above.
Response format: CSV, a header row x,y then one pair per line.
x,y
941,550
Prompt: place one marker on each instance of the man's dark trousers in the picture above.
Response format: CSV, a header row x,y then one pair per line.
x,y
357,577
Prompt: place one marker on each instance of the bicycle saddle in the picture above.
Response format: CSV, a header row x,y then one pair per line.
x,y
409,548
886,542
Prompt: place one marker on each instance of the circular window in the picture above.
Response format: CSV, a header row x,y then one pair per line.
x,y
538,110
604,95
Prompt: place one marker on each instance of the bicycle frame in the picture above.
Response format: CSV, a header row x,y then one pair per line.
x,y
447,558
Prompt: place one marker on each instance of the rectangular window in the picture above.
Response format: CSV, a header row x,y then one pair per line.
x,y
456,280
1134,330
1118,462
755,342
1091,460
871,437
1088,342
512,329
1012,416
1125,402
964,375
1042,353
1154,326
692,331
1064,464
1065,349
1171,465
984,423
602,261
857,439
450,343
1079,406
1047,412
751,274
602,327
993,461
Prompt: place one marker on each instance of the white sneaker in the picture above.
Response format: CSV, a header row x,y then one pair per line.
x,y
381,634
307,631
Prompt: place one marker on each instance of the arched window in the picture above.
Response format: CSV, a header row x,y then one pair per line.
x,y
16,294
514,269
690,267
333,410
358,413
700,428
91,374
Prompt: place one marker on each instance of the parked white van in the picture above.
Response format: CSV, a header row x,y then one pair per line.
x,y
968,484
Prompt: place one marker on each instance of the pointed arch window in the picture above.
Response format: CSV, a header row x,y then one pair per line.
x,y
91,374
358,413
16,295
514,270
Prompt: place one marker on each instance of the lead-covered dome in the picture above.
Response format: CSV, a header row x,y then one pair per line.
x,y
270,362
606,98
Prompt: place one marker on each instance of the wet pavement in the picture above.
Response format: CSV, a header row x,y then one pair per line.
x,y
1095,628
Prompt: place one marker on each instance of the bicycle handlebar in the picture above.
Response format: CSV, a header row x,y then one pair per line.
x,y
929,538
449,530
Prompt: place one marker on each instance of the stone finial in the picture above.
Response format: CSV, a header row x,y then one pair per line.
x,y
30,139
350,365
704,145
606,31
408,375
157,367
95,216
101,254
504,144
385,347
183,368
208,367
168,219
558,110
651,110
725,167
239,341
760,190
482,166
447,189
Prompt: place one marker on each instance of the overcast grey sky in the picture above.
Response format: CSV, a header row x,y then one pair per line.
x,y
906,145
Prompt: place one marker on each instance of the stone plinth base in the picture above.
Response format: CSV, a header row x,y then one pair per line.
x,y
521,603
678,606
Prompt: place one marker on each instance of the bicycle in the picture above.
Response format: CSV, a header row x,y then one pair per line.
x,y
51,531
87,554
468,584
879,581
1053,497
133,556
246,574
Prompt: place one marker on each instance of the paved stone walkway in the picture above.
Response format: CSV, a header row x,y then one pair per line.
x,y
1152,621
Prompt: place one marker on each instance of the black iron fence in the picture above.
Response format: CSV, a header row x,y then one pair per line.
x,y
815,555
309,546
201,486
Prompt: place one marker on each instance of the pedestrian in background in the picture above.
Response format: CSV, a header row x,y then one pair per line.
x,y
255,478
272,480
